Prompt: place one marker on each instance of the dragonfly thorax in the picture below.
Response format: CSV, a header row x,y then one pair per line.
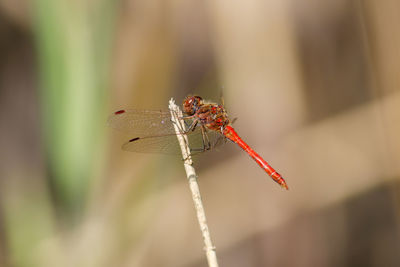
x,y
213,117
210,115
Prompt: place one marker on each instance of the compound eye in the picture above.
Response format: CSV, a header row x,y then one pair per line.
x,y
191,104
198,100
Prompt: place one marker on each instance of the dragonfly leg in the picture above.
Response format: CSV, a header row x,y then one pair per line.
x,y
206,140
220,140
186,117
192,126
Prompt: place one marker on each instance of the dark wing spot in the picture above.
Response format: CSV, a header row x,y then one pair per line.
x,y
134,139
119,112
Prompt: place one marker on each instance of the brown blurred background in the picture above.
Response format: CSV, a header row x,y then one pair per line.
x,y
315,87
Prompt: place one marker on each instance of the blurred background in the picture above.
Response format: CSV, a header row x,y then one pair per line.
x,y
315,87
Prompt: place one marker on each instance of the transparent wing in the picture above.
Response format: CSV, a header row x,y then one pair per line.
x,y
142,122
168,144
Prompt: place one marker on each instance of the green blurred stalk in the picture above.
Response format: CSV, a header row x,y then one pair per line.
x,y
28,224
73,42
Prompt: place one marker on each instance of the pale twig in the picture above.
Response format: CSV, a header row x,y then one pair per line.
x,y
180,128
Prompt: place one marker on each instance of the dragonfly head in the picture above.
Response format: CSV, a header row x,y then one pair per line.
x,y
191,104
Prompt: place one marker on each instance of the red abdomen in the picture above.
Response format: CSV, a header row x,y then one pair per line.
x,y
231,134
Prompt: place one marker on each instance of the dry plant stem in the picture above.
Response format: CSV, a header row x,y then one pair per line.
x,y
176,113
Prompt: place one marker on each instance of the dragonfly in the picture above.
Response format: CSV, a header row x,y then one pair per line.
x,y
208,126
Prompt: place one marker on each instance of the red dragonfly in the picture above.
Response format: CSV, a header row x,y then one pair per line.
x,y
208,126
